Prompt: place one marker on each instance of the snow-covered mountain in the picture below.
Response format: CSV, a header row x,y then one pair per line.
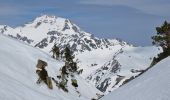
x,y
152,85
45,30
126,63
106,63
18,78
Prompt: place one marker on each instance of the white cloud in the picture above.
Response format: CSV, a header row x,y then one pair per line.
x,y
156,7
111,2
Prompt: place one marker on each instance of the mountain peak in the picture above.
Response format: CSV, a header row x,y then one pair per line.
x,y
46,30
46,19
60,23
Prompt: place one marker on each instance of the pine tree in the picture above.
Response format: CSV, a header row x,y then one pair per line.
x,y
68,69
68,55
162,39
71,65
163,36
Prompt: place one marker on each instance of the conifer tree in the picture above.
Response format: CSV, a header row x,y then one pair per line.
x,y
71,65
163,36
162,39
68,55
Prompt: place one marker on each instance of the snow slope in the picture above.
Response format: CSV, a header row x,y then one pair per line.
x,y
90,61
18,77
126,63
152,85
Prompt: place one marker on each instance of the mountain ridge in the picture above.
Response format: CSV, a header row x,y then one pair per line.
x,y
47,30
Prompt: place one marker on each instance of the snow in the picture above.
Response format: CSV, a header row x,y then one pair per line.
x,y
101,53
117,64
53,23
38,32
138,58
152,85
98,56
18,77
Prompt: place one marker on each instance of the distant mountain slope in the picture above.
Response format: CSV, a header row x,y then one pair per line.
x,y
126,63
18,77
152,85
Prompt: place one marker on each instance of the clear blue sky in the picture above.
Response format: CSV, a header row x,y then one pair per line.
x,y
133,21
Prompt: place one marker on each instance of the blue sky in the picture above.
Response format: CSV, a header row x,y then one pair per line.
x,y
129,20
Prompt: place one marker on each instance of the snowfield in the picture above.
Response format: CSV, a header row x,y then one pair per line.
x,y
91,61
126,63
18,77
152,85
